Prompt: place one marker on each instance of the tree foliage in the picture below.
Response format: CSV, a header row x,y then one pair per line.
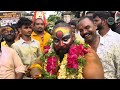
x,y
53,18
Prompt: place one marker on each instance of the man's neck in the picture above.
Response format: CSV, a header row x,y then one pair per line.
x,y
9,43
94,44
26,38
39,33
104,31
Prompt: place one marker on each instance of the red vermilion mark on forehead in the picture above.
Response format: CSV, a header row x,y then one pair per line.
x,y
59,34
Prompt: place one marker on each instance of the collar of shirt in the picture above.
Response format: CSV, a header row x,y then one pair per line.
x,y
101,40
110,32
23,41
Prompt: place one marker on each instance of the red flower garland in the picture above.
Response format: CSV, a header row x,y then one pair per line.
x,y
52,65
73,54
76,52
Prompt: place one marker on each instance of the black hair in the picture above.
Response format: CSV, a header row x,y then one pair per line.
x,y
89,17
102,14
72,23
14,26
24,21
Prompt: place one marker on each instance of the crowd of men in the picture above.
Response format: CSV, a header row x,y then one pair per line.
x,y
23,44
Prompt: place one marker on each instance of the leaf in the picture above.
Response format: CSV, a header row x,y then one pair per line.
x,y
42,58
71,70
77,42
81,61
46,75
85,45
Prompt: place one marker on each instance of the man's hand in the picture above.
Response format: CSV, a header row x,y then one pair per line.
x,y
36,73
19,76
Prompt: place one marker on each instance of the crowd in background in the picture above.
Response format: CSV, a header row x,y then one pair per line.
x,y
23,43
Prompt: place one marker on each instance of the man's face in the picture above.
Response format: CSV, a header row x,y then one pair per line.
x,y
98,22
62,40
9,34
26,30
87,30
39,25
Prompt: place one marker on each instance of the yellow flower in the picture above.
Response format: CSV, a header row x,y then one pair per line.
x,y
35,65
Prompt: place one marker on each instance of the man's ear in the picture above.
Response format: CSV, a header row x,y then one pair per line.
x,y
104,22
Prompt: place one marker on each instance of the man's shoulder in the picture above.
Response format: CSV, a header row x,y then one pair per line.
x,y
3,43
35,41
115,37
18,42
33,34
8,49
47,34
114,34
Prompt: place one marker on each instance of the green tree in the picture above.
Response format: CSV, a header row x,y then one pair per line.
x,y
53,18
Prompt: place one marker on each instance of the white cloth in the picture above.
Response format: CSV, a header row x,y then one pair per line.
x,y
109,52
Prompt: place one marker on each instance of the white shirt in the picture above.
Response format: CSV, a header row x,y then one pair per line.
x,y
111,34
27,52
109,52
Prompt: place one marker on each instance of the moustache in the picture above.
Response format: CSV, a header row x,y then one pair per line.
x,y
58,49
40,28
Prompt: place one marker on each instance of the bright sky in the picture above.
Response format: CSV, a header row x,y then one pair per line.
x,y
47,13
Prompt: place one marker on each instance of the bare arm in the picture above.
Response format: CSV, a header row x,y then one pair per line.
x,y
19,75
93,68
19,67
